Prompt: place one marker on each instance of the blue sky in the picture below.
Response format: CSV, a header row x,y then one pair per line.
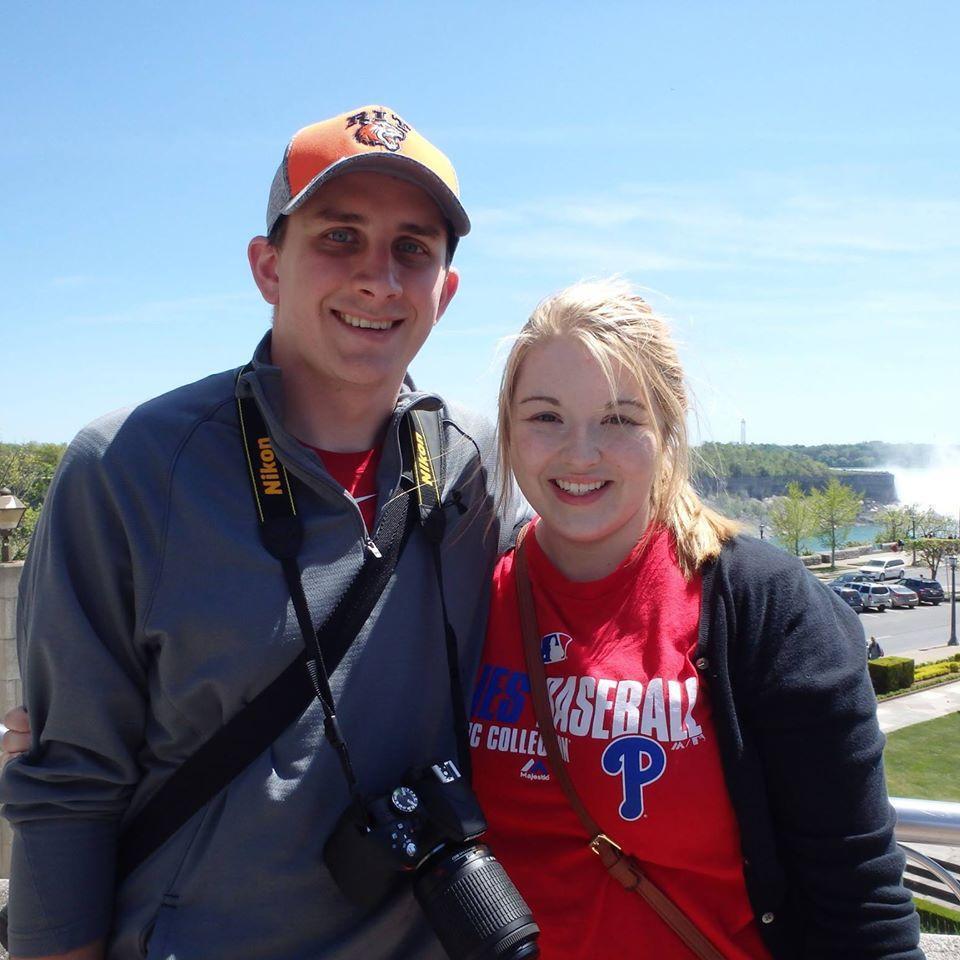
x,y
783,178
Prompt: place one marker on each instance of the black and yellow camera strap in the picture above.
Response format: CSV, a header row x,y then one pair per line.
x,y
251,731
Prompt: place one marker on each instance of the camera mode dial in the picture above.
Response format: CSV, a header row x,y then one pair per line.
x,y
404,800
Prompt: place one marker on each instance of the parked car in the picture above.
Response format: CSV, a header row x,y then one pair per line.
x,y
848,579
927,591
850,596
874,595
884,569
901,596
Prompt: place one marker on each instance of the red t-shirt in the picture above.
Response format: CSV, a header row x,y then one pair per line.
x,y
357,474
635,725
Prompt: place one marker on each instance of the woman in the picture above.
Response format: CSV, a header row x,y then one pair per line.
x,y
710,697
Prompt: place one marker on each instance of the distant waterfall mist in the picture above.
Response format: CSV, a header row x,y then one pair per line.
x,y
937,485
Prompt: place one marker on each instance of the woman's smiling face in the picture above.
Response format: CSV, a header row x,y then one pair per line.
x,y
584,452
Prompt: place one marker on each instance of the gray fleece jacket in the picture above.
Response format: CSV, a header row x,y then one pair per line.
x,y
150,613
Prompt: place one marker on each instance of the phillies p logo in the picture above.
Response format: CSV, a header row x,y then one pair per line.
x,y
638,761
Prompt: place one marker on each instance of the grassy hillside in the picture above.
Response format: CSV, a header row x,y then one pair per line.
x,y
871,454
756,460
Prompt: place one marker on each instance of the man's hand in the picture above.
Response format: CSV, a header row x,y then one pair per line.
x,y
16,736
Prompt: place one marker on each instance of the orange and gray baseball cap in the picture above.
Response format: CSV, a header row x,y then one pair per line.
x,y
372,138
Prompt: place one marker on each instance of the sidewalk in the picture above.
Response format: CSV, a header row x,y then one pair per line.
x,y
940,947
926,704
929,654
917,707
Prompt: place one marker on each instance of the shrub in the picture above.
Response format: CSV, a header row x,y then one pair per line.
x,y
930,670
890,673
935,918
954,667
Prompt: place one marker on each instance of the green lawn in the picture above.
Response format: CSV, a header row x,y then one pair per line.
x,y
923,760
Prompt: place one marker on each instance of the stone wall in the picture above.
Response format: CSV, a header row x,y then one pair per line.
x,y
755,487
11,691
847,553
875,485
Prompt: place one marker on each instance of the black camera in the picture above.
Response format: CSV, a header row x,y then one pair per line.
x,y
428,827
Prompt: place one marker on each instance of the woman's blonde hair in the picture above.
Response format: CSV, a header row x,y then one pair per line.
x,y
618,327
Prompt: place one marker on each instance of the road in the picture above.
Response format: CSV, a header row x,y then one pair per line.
x,y
903,630
906,630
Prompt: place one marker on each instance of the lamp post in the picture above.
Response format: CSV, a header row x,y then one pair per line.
x,y
952,561
12,509
913,536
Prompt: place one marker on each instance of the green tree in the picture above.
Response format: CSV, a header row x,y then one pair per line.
x,y
835,509
754,512
924,523
932,551
913,512
937,525
756,460
792,518
27,469
895,522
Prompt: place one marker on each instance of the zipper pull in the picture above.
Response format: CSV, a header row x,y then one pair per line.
x,y
372,547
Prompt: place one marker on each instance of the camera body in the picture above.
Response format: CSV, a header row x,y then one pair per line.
x,y
371,848
427,830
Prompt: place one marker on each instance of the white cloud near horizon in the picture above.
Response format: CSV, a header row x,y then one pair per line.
x,y
661,227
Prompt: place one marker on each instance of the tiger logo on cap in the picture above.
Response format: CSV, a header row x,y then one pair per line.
x,y
378,130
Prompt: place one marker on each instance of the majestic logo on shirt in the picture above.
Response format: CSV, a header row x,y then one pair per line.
x,y
553,647
535,770
639,761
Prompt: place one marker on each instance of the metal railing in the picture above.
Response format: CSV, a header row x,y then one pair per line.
x,y
929,821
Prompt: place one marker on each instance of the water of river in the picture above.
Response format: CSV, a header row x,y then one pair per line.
x,y
860,533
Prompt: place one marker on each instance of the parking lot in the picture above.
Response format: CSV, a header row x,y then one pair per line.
x,y
907,630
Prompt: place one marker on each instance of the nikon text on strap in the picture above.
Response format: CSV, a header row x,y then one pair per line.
x,y
250,732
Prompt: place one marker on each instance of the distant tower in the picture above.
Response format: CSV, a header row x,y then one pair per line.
x,y
743,431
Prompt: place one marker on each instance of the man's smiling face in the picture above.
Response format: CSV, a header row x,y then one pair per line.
x,y
358,282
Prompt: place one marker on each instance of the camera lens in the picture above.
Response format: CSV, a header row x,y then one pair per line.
x,y
475,910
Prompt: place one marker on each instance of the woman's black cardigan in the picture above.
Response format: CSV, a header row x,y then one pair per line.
x,y
785,661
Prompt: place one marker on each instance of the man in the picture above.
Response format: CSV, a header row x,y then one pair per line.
x,y
151,613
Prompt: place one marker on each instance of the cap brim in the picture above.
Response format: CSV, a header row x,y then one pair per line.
x,y
404,168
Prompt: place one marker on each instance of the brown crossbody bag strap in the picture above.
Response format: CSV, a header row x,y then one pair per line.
x,y
623,867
